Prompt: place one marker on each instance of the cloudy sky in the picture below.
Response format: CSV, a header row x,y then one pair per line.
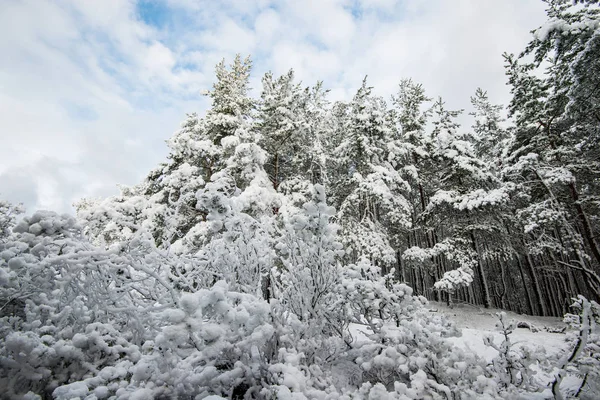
x,y
91,89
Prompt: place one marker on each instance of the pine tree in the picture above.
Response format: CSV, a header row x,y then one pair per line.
x,y
553,156
410,153
231,105
465,190
490,137
369,190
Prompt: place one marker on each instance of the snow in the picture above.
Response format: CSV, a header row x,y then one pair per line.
x,y
483,320
562,26
226,273
476,324
71,391
360,333
455,279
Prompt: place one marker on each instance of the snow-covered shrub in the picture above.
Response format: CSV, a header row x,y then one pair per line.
x,y
214,343
309,253
407,352
241,254
582,359
306,278
514,368
371,299
76,308
8,217
39,360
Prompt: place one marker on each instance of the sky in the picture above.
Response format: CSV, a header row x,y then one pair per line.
x,y
91,89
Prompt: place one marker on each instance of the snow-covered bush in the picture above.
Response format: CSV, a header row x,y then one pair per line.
x,y
241,254
407,352
8,217
309,254
74,308
515,366
581,362
214,343
371,299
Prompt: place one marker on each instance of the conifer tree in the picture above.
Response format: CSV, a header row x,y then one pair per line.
x,y
369,189
553,157
231,105
410,153
464,189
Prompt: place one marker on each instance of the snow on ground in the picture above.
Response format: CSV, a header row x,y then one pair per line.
x,y
477,322
477,317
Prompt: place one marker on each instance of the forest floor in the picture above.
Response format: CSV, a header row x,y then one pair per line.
x,y
476,322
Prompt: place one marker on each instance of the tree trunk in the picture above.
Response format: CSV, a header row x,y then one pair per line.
x,y
551,295
502,294
276,173
422,279
266,287
535,281
400,274
527,295
585,224
481,273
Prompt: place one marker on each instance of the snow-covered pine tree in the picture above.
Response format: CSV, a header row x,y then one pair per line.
x,y
209,144
465,189
283,127
503,247
554,153
369,191
240,204
410,153
231,104
114,219
489,134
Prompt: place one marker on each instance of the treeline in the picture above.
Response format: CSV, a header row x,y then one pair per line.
x,y
503,213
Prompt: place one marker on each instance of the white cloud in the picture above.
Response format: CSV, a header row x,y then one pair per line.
x,y
267,25
327,21
89,91
229,37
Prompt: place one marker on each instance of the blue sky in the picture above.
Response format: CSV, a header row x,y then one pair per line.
x,y
90,90
156,13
